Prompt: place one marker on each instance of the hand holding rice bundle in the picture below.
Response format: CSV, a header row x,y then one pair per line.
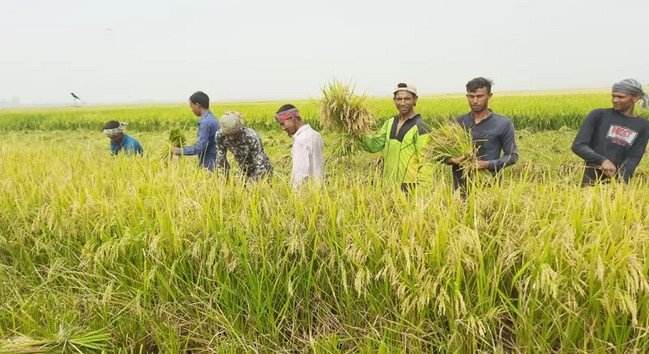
x,y
452,141
176,139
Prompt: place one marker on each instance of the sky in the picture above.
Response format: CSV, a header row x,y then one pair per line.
x,y
142,51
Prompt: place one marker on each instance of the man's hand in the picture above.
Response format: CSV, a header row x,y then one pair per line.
x,y
176,150
455,160
608,168
482,165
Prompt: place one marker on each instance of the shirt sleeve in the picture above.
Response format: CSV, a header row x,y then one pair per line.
x,y
317,157
301,154
221,161
135,148
114,148
376,142
634,156
581,144
204,132
510,151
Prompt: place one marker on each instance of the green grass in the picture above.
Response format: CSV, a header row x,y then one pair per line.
x,y
532,111
113,254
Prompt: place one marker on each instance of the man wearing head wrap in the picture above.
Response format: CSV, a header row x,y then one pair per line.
x,y
246,146
402,140
306,152
205,146
613,141
119,141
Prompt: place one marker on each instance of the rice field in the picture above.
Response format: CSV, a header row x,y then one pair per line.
x,y
141,255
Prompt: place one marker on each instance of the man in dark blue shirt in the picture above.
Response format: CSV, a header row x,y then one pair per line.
x,y
491,134
120,141
613,141
205,146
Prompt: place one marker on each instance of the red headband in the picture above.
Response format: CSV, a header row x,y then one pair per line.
x,y
286,115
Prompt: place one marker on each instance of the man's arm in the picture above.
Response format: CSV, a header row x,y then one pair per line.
x,y
221,161
376,142
634,156
138,148
204,131
510,150
581,144
301,164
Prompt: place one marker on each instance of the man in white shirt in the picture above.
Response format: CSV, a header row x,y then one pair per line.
x,y
306,152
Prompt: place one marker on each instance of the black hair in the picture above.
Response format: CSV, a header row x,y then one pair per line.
x,y
285,108
200,98
477,83
111,125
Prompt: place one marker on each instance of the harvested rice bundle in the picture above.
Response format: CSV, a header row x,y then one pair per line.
x,y
176,139
343,111
451,140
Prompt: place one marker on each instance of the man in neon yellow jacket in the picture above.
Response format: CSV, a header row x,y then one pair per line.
x,y
401,139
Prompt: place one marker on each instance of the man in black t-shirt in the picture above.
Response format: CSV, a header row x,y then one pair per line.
x,y
612,141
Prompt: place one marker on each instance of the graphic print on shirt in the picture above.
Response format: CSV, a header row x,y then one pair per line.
x,y
621,135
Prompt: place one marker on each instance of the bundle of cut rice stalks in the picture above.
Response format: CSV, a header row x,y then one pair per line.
x,y
176,139
451,140
343,111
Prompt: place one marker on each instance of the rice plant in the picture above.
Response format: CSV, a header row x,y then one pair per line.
x,y
123,255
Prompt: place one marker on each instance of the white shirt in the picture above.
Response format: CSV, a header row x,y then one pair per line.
x,y
307,156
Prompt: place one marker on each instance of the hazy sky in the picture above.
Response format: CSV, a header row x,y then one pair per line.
x,y
135,51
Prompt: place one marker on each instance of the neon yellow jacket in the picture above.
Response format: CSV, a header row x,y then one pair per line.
x,y
402,151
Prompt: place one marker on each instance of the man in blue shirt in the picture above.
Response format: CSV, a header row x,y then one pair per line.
x,y
492,134
120,141
205,146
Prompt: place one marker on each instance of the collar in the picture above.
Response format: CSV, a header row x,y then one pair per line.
x,y
302,129
207,113
470,114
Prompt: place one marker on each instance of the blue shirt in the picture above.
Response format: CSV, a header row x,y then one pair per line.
x,y
493,135
129,145
205,146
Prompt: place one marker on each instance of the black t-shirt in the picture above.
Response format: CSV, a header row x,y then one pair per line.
x,y
609,135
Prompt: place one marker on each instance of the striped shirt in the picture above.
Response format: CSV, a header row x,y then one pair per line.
x,y
307,156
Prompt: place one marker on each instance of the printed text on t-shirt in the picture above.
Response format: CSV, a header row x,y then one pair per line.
x,y
621,135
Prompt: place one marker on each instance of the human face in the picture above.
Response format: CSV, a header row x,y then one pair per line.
x,y
290,126
196,108
117,138
405,101
478,99
232,137
623,102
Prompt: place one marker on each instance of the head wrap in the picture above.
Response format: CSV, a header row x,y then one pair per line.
x,y
286,115
231,123
115,131
633,87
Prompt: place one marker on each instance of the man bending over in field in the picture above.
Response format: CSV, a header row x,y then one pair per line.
x,y
120,141
613,141
205,146
245,144
306,152
491,133
402,139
